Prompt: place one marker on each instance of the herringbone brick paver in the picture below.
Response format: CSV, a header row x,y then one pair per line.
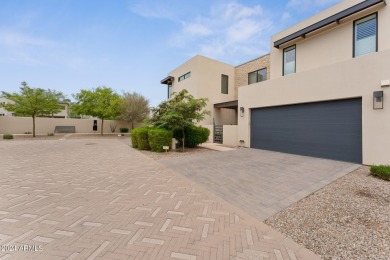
x,y
100,199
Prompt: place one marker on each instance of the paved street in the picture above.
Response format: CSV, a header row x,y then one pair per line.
x,y
260,182
100,199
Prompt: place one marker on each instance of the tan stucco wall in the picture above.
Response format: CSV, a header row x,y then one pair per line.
x,y
225,116
330,45
229,137
20,125
242,71
357,77
205,82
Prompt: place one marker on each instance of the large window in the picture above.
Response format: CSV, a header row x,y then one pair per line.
x,y
185,76
224,84
257,76
289,60
365,35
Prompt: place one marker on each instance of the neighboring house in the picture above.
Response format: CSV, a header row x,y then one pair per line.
x,y
325,96
63,114
4,112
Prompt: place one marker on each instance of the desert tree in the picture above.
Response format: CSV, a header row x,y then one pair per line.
x,y
179,112
33,102
134,108
101,102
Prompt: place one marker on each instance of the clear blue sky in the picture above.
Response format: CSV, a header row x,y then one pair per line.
x,y
130,45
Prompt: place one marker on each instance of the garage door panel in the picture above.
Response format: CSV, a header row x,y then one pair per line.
x,y
326,129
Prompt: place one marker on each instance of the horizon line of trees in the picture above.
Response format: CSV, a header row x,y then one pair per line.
x,y
101,102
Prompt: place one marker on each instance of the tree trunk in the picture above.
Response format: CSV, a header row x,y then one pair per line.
x,y
183,138
101,130
33,126
132,124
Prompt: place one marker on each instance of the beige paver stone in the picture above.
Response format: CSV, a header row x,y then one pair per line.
x,y
124,205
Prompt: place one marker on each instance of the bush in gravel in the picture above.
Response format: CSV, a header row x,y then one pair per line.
x,y
8,136
381,171
159,138
195,135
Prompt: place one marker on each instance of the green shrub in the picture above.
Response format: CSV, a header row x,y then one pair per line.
x,y
143,138
194,135
381,171
124,130
8,136
50,134
159,138
134,137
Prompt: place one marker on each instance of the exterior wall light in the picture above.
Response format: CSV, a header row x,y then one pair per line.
x,y
242,111
385,83
378,100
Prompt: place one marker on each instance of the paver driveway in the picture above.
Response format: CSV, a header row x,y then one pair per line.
x,y
258,181
100,199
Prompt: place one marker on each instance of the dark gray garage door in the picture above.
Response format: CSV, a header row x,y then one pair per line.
x,y
331,129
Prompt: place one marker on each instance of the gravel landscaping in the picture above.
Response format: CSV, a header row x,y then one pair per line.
x,y
348,219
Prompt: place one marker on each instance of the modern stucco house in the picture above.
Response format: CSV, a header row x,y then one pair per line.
x,y
325,93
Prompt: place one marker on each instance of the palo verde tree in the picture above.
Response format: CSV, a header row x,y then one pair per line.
x,y
102,102
33,102
180,111
134,108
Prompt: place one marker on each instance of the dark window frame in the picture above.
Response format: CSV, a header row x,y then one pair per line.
x,y
227,87
295,65
169,92
185,76
257,73
354,32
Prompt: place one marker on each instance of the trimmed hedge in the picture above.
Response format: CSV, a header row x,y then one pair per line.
x,y
139,138
143,138
133,137
194,135
124,130
159,138
381,171
8,136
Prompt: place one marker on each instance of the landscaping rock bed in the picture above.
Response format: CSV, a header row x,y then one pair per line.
x,y
348,219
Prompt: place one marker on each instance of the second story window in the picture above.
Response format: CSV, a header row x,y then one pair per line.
x,y
185,76
257,76
365,35
224,84
289,64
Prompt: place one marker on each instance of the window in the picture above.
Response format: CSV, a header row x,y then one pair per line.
x,y
257,76
185,76
289,60
365,35
169,90
224,84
